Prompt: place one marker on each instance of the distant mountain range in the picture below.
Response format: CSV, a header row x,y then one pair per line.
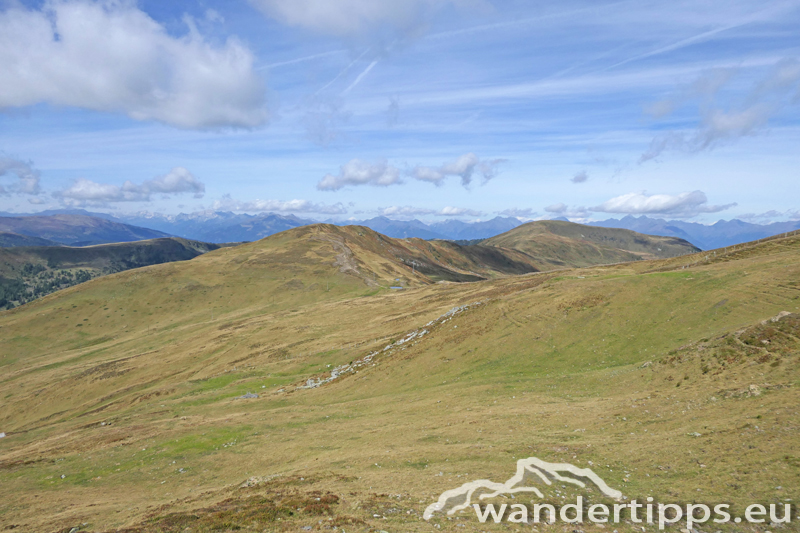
x,y
222,226
70,229
722,233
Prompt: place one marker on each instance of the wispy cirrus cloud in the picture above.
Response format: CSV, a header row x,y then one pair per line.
x,y
226,203
84,192
27,177
580,177
771,216
361,20
324,119
110,56
767,99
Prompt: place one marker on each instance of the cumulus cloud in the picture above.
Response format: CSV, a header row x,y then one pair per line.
x,y
85,192
360,20
450,211
685,205
177,180
556,208
358,172
580,177
278,206
777,90
409,211
110,56
463,167
563,210
27,177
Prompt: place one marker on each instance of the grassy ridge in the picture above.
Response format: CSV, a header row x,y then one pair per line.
x,y
127,386
565,244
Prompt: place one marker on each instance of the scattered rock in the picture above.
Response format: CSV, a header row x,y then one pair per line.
x,y
2,435
247,396
776,317
695,434
257,480
367,360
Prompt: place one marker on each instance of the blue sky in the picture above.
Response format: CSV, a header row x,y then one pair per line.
x,y
430,109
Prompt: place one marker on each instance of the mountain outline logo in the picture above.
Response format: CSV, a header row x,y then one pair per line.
x,y
532,468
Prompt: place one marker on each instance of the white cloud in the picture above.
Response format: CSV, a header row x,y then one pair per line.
x,y
110,56
278,206
450,211
384,21
409,211
27,176
176,181
687,204
324,119
405,211
705,88
580,177
517,212
86,192
358,172
768,98
770,216
556,208
575,213
463,167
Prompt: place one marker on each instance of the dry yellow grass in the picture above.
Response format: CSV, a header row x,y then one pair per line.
x,y
128,388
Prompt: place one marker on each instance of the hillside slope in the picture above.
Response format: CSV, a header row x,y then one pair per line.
x,y
566,244
27,273
76,230
9,240
125,399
